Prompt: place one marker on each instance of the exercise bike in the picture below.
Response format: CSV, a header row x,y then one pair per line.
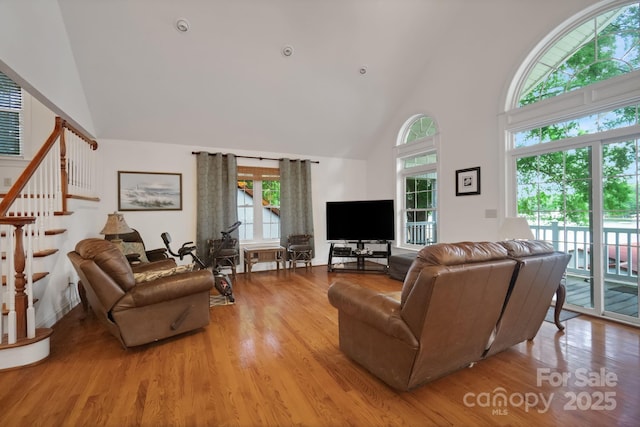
x,y
222,282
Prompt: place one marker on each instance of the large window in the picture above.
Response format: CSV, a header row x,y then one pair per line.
x,y
417,161
572,127
10,117
259,203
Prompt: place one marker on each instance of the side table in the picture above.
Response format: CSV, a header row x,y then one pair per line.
x,y
264,254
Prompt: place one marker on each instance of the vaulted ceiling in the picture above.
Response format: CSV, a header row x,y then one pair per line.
x,y
226,82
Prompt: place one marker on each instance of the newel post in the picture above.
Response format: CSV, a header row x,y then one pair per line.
x,y
64,178
21,298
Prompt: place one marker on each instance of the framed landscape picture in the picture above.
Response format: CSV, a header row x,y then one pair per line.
x,y
149,191
468,181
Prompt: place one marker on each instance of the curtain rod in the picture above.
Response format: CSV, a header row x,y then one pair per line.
x,y
254,157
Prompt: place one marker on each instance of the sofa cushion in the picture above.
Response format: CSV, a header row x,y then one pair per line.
x,y
450,254
461,253
150,275
109,258
523,248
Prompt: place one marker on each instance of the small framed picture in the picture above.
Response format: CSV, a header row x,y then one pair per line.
x,y
149,191
468,181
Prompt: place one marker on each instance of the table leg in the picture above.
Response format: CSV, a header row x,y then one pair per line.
x,y
561,294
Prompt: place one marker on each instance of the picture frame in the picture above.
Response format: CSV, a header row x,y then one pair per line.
x,y
149,191
468,181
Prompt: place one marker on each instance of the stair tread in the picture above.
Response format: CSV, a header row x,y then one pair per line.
x,y
5,309
41,334
36,277
37,254
51,232
54,231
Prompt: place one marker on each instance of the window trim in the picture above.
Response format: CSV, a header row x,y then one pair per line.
x,y
402,151
258,174
22,126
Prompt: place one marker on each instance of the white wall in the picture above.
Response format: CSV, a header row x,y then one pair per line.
x,y
332,179
35,52
464,90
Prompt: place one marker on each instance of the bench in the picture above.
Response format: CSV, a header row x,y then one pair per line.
x,y
399,265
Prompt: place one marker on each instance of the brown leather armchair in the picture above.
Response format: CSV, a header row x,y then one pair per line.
x,y
145,311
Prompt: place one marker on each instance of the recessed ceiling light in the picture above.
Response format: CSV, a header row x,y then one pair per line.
x,y
182,25
287,50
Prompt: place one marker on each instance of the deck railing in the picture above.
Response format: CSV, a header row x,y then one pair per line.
x,y
65,162
421,233
620,251
620,254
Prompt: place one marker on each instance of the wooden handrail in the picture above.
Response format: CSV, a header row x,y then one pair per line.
x,y
28,172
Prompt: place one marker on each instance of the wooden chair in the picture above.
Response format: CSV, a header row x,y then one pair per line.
x,y
225,253
299,249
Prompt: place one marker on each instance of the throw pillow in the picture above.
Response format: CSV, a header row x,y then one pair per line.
x,y
128,248
148,276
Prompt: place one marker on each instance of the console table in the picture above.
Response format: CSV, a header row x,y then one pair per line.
x,y
264,254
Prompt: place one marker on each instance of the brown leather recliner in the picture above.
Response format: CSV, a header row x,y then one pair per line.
x,y
538,274
139,313
451,300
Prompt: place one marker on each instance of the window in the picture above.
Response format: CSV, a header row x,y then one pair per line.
x,y
417,162
259,203
10,117
572,156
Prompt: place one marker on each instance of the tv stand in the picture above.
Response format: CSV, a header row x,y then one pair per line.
x,y
359,256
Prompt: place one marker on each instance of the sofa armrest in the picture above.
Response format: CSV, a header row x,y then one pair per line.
x,y
157,254
379,310
166,289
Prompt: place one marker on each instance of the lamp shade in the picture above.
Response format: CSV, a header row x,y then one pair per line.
x,y
116,225
515,228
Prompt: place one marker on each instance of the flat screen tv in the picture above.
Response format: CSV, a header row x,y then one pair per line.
x,y
361,220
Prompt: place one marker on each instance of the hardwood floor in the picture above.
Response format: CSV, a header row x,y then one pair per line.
x,y
272,359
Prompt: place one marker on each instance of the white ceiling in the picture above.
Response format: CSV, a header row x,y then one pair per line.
x,y
226,83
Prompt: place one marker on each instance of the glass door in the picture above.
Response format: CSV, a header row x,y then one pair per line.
x,y
620,231
586,201
554,194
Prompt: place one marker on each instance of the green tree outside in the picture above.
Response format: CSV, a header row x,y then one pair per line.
x,y
557,186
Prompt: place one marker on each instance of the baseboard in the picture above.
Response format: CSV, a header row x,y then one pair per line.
x,y
64,310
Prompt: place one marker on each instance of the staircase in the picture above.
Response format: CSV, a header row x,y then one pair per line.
x,y
30,213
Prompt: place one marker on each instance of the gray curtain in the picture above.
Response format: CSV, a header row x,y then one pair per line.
x,y
217,205
296,208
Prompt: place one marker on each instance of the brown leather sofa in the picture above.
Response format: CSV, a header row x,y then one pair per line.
x,y
139,313
447,313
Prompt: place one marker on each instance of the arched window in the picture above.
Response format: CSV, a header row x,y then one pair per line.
x,y
597,49
417,162
572,141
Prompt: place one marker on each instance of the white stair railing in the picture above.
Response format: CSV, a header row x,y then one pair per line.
x,y
65,162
